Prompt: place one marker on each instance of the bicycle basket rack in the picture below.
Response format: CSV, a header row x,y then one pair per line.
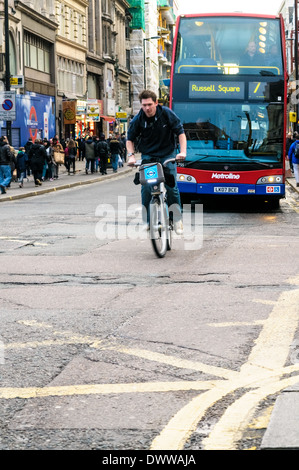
x,y
151,173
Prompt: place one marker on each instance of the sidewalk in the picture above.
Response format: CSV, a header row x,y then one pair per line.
x,y
64,181
292,182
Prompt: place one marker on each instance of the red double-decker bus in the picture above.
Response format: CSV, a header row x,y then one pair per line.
x,y
229,88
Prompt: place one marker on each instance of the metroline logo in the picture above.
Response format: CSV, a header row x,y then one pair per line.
x,y
225,176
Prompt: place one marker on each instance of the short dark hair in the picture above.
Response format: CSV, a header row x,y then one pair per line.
x,y
146,94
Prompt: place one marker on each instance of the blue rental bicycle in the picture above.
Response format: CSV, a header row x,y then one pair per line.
x,y
160,225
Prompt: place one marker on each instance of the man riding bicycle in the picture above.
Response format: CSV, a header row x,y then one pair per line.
x,y
154,129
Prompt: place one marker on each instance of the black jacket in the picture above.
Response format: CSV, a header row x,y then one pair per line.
x,y
156,137
115,147
5,154
37,155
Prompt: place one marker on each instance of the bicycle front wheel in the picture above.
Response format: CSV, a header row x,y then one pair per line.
x,y
158,228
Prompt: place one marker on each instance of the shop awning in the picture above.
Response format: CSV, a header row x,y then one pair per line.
x,y
108,118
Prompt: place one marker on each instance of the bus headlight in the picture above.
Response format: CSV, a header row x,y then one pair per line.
x,y
270,179
185,178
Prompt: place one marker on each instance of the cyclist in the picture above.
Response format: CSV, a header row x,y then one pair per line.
x,y
154,130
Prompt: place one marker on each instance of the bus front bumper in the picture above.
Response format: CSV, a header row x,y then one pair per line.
x,y
268,190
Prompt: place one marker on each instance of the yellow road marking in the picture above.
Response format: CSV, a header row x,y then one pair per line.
x,y
178,362
267,357
261,422
100,389
261,374
27,242
230,428
236,323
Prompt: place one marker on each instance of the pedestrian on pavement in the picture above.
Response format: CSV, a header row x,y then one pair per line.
x,y
13,165
115,150
124,142
22,163
71,156
56,147
89,153
5,168
293,155
45,174
289,140
37,157
102,154
155,128
27,146
80,143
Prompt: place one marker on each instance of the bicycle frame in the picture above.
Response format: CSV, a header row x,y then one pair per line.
x,y
160,224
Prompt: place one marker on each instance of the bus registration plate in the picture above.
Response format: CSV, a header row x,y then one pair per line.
x,y
226,189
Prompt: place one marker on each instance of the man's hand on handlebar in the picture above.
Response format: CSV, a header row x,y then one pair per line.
x,y
180,157
131,161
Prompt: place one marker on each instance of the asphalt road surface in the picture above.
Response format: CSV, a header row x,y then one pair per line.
x,y
105,346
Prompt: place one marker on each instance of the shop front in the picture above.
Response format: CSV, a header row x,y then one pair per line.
x,y
35,118
90,119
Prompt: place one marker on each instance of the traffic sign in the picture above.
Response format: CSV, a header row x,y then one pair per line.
x,y
8,106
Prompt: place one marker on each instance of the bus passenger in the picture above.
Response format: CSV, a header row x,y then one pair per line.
x,y
251,58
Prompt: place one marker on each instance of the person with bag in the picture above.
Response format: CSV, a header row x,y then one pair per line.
x,y
102,154
37,157
58,156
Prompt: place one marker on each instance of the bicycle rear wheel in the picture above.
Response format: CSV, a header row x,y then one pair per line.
x,y
158,229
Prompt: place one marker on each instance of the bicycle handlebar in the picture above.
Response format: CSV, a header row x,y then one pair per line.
x,y
169,160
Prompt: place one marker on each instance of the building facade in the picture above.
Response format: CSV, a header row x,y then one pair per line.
x,y
152,30
77,66
287,10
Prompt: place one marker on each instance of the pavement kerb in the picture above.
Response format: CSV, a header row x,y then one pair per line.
x,y
291,182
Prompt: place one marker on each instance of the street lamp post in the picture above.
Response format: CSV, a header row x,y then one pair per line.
x,y
7,64
144,72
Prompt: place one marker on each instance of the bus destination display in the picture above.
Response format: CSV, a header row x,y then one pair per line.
x,y
216,90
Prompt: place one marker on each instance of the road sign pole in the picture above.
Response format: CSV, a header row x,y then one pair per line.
x,y
7,65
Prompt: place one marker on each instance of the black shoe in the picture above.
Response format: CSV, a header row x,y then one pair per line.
x,y
3,190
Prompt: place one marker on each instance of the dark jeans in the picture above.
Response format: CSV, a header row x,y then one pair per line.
x,y
103,164
70,162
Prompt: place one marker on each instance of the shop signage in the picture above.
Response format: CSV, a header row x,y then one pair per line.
x,y
121,115
94,109
69,112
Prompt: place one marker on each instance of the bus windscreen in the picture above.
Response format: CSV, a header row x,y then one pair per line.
x,y
229,45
